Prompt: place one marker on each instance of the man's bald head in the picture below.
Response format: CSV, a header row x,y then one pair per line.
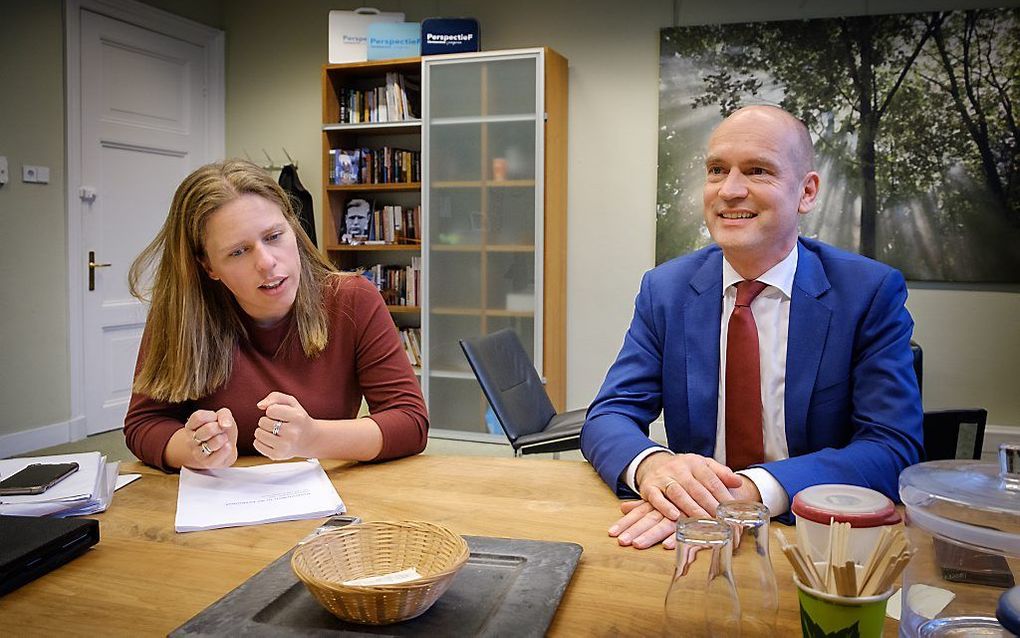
x,y
800,146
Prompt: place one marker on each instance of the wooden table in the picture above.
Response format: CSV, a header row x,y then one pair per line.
x,y
145,579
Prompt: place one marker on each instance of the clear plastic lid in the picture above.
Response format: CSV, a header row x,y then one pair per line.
x,y
859,506
967,501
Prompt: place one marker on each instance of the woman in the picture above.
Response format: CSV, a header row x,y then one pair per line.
x,y
255,344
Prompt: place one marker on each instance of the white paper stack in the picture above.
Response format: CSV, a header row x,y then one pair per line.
x,y
236,496
87,491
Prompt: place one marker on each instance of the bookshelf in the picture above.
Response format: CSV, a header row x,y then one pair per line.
x,y
371,113
492,196
494,203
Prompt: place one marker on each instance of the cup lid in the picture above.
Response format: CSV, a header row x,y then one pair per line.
x,y
859,506
1008,610
969,501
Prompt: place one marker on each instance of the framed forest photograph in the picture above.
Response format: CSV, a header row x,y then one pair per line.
x,y
914,119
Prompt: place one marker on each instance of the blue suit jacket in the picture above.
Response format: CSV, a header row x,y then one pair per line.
x,y
853,410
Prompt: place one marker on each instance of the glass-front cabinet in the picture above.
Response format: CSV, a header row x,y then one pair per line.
x,y
493,134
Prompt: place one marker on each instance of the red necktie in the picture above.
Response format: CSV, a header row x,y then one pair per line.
x,y
745,444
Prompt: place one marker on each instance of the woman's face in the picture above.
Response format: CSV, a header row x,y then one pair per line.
x,y
251,249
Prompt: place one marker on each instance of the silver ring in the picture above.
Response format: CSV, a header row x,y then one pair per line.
x,y
276,428
205,449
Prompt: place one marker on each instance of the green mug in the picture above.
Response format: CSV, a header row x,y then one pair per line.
x,y
824,615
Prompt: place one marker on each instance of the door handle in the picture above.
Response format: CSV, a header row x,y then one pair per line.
x,y
92,269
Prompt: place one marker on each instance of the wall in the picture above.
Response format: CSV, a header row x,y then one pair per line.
x,y
274,53
612,47
34,384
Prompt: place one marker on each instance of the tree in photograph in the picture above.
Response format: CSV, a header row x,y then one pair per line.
x,y
840,76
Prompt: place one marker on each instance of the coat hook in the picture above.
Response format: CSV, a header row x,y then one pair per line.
x,y
288,156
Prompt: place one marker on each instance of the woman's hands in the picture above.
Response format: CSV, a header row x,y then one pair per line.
x,y
286,430
208,440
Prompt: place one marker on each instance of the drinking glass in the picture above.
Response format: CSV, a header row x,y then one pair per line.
x,y
702,600
752,567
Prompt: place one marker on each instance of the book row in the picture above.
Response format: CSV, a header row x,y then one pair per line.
x,y
395,101
398,285
364,223
411,338
386,165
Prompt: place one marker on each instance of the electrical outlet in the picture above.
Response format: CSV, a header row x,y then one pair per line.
x,y
35,174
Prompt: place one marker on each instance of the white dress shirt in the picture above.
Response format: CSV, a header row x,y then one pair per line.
x,y
771,311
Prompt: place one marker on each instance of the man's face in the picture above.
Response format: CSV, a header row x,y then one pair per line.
x,y
756,186
357,220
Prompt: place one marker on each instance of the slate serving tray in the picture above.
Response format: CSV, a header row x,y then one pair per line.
x,y
507,587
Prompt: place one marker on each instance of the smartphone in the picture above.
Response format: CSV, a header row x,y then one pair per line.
x,y
36,478
333,522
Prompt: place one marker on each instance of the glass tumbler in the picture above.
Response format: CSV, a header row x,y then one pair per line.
x,y
702,600
752,567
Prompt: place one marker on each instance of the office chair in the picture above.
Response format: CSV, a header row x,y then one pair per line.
x,y
949,434
915,349
954,434
516,394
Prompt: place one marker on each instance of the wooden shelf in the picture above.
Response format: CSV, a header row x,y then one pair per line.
x,y
507,183
404,310
388,187
452,374
374,67
477,248
343,248
481,312
373,128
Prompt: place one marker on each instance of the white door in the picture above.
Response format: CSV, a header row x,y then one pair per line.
x,y
143,128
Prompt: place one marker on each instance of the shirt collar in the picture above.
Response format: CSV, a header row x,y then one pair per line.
x,y
779,276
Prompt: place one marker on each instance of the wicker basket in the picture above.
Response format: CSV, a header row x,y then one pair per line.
x,y
371,549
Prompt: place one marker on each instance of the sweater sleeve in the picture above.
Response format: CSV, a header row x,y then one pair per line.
x,y
149,423
387,380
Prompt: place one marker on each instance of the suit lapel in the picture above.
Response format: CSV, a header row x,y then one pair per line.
x,y
809,326
701,341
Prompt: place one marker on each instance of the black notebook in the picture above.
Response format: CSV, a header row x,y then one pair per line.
x,y
31,546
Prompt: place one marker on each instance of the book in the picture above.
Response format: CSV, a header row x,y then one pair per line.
x,y
347,167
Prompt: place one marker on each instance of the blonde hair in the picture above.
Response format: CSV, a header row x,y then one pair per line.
x,y
194,323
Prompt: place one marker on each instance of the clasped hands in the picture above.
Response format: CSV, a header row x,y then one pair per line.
x,y
673,486
285,431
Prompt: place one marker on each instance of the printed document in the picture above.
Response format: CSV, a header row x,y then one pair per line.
x,y
235,496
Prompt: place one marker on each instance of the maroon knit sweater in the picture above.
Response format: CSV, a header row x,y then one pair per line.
x,y
364,356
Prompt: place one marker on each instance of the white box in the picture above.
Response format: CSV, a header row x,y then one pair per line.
x,y
348,32
520,301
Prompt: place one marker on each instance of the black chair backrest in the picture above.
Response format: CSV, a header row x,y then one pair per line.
x,y
915,348
947,434
510,383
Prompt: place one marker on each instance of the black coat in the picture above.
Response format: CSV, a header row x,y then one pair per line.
x,y
300,199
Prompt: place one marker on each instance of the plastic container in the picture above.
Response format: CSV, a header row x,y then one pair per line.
x,y
963,517
867,511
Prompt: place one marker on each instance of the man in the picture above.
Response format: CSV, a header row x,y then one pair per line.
x,y
356,221
780,356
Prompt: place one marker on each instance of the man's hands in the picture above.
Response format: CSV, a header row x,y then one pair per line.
x,y
286,430
687,484
674,486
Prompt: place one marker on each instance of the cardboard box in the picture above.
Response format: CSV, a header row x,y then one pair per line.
x,y
348,32
389,40
449,35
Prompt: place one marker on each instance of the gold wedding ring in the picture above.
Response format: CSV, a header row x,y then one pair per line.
x,y
668,483
205,449
276,428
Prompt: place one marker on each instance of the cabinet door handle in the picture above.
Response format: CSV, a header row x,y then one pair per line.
x,y
92,269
